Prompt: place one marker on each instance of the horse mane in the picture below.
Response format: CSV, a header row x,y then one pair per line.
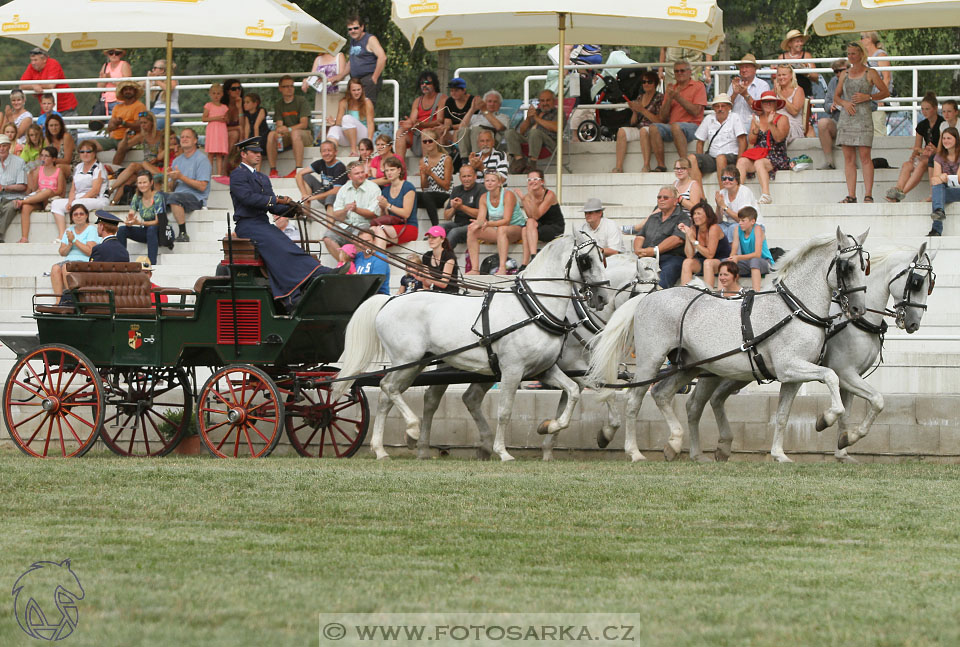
x,y
790,259
880,257
552,255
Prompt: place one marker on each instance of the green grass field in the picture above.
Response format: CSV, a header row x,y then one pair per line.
x,y
191,551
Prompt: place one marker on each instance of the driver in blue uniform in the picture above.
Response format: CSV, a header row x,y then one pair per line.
x,y
109,249
289,267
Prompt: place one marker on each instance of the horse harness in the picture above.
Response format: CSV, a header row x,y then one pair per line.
x,y
798,310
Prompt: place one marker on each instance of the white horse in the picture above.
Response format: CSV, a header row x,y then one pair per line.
x,y
696,329
853,347
413,328
629,276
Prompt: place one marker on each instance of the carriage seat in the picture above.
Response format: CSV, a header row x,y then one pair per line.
x,y
244,252
129,284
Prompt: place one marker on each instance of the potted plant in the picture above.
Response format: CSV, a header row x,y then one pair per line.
x,y
190,443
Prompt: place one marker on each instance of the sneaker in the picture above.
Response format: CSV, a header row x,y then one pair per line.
x,y
894,194
222,179
934,232
273,173
292,173
182,237
765,199
938,214
827,167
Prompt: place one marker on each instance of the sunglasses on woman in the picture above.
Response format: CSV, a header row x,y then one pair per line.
x,y
114,52
428,141
727,178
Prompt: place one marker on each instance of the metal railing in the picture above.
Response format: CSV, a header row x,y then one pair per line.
x,y
193,119
721,70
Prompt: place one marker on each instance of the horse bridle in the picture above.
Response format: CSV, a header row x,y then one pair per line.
x,y
916,272
583,264
843,266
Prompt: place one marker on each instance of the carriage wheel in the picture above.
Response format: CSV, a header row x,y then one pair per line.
x,y
53,402
240,413
588,131
148,410
318,427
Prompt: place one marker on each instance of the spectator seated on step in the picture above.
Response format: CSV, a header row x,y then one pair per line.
x,y
13,185
486,116
720,141
357,203
124,120
190,178
76,245
601,229
487,156
538,131
321,181
749,249
291,119
680,113
462,207
661,235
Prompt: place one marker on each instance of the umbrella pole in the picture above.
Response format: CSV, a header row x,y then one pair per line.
x,y
166,109
563,32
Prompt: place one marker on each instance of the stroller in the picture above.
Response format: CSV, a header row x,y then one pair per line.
x,y
625,86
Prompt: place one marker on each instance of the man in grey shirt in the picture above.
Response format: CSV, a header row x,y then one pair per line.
x,y
13,185
661,235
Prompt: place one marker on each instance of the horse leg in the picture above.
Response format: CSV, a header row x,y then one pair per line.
x,y
706,385
384,405
856,385
509,383
473,400
717,400
844,425
663,393
634,400
795,375
609,430
788,392
568,401
393,385
550,439
431,402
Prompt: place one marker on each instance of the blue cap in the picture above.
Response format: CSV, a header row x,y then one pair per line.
x,y
106,216
251,145
457,82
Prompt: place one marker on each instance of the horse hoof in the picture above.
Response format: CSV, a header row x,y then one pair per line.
x,y
602,440
383,456
844,441
484,454
781,458
505,457
637,457
844,457
547,456
821,423
544,428
721,456
413,432
669,452
411,441
702,458
424,456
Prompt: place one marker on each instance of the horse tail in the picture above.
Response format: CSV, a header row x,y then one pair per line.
x,y
607,347
361,342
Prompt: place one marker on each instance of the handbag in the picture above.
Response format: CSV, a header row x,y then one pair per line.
x,y
758,152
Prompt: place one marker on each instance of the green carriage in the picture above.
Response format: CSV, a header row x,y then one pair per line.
x,y
120,363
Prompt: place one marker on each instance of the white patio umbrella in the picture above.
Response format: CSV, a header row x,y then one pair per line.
x,y
82,25
845,16
444,25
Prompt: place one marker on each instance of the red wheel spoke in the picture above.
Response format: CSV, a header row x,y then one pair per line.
x,y
350,420
146,441
70,381
343,433
86,422
70,397
207,430
218,411
38,429
313,435
26,420
246,434
233,393
28,388
226,436
222,399
37,377
345,405
254,427
63,446
69,426
148,414
262,419
46,444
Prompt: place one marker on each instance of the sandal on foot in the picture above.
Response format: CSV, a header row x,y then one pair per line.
x,y
616,169
660,169
868,199
848,200
765,199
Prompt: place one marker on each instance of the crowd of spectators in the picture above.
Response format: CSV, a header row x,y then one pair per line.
x,y
464,149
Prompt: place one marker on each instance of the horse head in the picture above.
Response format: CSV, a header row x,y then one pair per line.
x,y
587,265
911,286
44,587
847,273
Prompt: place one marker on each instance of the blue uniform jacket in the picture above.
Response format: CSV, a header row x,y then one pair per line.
x,y
287,264
110,250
